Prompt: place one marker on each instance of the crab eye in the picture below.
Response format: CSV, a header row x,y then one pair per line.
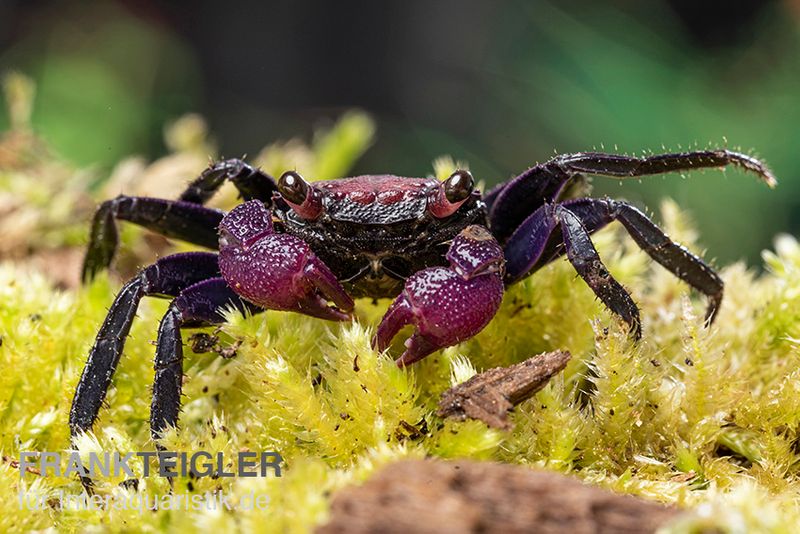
x,y
450,195
292,187
459,186
303,198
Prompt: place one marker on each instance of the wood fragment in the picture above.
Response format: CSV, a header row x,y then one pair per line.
x,y
428,496
15,465
490,395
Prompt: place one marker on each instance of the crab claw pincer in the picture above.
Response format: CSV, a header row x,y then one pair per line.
x,y
447,305
277,271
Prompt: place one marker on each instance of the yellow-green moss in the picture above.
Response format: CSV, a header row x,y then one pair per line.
x,y
703,417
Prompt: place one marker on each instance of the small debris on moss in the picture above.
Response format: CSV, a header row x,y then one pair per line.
x,y
489,396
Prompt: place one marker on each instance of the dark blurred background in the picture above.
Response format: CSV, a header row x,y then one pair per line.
x,y
500,84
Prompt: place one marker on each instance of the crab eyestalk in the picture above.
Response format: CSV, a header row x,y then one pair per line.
x,y
304,199
451,194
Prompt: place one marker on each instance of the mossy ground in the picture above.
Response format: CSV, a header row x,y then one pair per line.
x,y
706,418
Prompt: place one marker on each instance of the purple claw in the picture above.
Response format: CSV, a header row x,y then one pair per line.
x,y
277,271
448,305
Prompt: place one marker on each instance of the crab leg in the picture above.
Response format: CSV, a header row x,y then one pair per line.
x,y
536,243
182,220
596,213
447,305
167,277
511,203
197,305
250,182
583,256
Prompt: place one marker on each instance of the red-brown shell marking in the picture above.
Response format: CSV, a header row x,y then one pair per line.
x,y
385,188
378,199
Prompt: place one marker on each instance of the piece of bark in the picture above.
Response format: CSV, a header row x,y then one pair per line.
x,y
490,395
435,496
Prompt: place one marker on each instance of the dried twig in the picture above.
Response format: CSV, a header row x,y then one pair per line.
x,y
15,465
489,396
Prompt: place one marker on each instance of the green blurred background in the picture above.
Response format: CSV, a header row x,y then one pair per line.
x,y
499,84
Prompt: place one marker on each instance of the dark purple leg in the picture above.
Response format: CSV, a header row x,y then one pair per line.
x,y
512,203
197,305
448,305
181,220
583,256
596,213
167,277
252,183
490,196
277,271
536,243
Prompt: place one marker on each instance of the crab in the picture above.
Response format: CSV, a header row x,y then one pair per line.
x,y
442,250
